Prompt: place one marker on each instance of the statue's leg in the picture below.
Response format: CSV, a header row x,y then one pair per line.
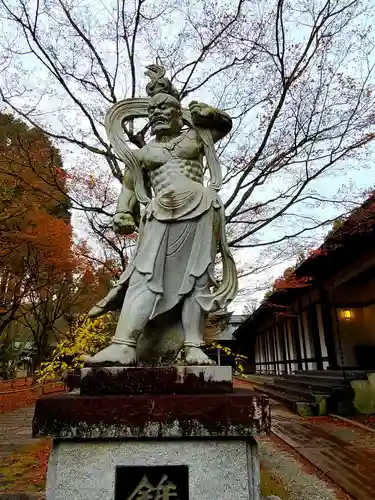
x,y
135,314
193,323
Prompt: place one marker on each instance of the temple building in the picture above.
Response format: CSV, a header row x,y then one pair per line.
x,y
320,320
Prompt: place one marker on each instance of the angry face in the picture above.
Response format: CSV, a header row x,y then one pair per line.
x,y
164,113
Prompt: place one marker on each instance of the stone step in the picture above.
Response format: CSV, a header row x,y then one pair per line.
x,y
345,374
338,401
321,386
280,394
338,379
259,379
299,405
304,393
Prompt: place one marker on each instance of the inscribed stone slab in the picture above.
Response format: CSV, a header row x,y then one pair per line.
x,y
217,469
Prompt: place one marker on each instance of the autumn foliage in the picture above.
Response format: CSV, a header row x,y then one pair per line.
x,y
32,191
46,278
35,225
86,337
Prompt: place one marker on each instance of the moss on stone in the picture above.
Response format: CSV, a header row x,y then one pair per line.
x,y
321,405
152,380
304,410
220,414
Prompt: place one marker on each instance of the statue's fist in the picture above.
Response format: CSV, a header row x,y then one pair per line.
x,y
123,223
201,112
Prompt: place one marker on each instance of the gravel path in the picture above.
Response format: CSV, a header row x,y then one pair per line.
x,y
300,482
15,430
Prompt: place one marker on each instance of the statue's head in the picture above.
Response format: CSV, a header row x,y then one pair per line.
x,y
164,110
165,116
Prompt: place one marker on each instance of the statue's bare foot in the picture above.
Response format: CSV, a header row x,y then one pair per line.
x,y
195,356
114,353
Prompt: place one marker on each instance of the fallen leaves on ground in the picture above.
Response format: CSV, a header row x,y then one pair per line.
x,y
26,470
271,485
20,398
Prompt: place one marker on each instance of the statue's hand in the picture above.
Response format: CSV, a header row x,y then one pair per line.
x,y
201,113
123,223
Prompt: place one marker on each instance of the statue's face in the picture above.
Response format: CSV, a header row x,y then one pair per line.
x,y
164,113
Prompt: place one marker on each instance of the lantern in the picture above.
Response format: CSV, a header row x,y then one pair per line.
x,y
347,314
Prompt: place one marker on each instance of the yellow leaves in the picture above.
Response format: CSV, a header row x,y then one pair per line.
x,y
88,336
236,357
241,356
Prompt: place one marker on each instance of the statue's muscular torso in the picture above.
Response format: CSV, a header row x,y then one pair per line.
x,y
170,162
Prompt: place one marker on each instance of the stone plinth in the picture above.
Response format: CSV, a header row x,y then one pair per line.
x,y
170,420
236,415
225,470
156,380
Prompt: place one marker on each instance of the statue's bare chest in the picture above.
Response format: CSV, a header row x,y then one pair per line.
x,y
155,154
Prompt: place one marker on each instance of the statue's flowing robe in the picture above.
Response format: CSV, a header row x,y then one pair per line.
x,y
179,235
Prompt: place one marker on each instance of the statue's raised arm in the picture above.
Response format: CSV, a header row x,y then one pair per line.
x,y
204,116
168,289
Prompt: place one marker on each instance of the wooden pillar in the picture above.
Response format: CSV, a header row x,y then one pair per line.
x,y
270,350
275,351
292,349
283,347
281,361
297,342
327,318
315,336
258,354
259,367
322,338
287,349
265,352
308,343
302,341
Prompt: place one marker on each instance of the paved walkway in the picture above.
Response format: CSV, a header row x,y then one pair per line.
x,y
344,452
15,430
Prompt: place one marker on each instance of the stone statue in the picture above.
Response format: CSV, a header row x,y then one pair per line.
x,y
168,289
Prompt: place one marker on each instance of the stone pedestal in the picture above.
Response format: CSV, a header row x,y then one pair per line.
x,y
225,470
167,446
156,380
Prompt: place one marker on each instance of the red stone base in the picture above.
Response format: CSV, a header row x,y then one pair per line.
x,y
234,415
